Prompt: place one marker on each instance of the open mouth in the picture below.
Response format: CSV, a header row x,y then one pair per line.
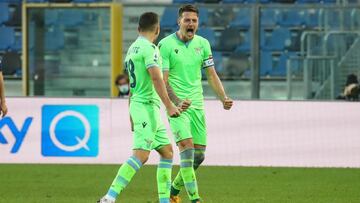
x,y
190,31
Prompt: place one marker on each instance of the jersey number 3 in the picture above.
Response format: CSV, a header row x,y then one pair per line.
x,y
129,65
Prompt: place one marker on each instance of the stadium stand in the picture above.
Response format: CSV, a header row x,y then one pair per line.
x,y
4,13
169,18
242,19
226,25
291,17
229,39
209,34
7,38
276,40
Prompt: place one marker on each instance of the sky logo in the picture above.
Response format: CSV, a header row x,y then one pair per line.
x,y
19,132
70,130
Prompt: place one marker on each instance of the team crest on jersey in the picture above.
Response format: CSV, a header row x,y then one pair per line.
x,y
198,50
156,57
176,51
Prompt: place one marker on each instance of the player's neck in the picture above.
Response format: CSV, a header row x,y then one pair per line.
x,y
182,37
147,35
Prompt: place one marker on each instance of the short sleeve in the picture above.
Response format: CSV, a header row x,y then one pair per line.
x,y
152,56
165,55
208,60
0,65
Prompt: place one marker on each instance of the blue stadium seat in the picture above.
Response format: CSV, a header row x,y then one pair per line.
x,y
266,61
15,15
291,17
268,17
245,44
279,67
209,34
6,38
169,18
4,13
312,17
278,39
17,43
218,59
242,19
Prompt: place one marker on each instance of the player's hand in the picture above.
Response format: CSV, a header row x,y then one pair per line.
x,y
185,104
3,109
173,111
227,103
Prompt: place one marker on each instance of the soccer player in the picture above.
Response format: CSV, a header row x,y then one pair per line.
x,y
3,107
146,86
184,55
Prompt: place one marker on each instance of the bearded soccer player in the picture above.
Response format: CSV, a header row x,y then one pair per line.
x,y
143,62
184,55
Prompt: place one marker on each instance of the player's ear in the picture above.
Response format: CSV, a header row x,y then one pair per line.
x,y
157,31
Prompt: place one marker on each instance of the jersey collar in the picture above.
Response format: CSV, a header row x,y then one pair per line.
x,y
186,43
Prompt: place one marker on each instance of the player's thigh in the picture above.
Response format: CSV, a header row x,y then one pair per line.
x,y
198,126
161,136
180,127
144,134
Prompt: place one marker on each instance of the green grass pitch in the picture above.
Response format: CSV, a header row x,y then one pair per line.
x,y
35,183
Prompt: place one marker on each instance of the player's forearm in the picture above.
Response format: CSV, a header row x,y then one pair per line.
x,y
2,89
161,91
172,95
131,121
217,86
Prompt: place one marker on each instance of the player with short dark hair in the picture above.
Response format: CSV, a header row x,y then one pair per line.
x,y
185,54
143,63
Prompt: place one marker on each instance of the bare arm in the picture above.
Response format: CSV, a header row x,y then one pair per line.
x,y
2,96
183,104
160,88
176,100
131,121
217,87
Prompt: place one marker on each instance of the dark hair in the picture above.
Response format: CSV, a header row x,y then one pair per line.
x,y
120,77
188,8
351,79
148,21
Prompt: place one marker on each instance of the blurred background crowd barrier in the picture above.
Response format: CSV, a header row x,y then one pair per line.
x,y
266,49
